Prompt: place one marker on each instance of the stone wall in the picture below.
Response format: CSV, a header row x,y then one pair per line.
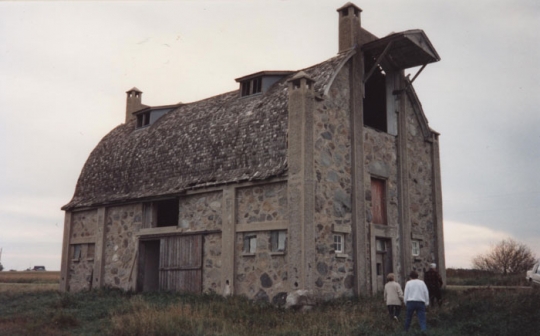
x,y
262,275
121,224
212,263
380,160
259,204
83,224
421,192
332,163
80,270
201,211
204,212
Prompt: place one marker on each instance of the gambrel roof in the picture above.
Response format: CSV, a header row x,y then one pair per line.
x,y
222,139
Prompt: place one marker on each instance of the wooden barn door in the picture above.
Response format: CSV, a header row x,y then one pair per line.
x,y
180,266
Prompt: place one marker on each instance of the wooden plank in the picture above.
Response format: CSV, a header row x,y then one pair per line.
x,y
378,201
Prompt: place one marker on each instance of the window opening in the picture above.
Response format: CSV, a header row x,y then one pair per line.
x,y
381,245
143,119
77,252
379,269
250,244
257,85
339,245
278,240
251,86
415,244
167,212
375,99
378,200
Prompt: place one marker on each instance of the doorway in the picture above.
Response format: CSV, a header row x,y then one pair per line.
x,y
383,260
171,263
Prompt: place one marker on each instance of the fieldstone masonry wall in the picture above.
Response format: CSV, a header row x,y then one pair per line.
x,y
261,203
83,224
263,275
420,192
212,263
121,224
380,159
204,212
201,212
332,164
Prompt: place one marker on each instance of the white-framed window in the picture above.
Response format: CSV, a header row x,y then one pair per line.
x,y
250,243
381,245
415,244
77,252
339,243
278,240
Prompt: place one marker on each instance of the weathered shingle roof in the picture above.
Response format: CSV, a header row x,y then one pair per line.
x,y
218,140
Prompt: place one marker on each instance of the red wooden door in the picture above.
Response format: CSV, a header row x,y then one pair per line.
x,y
378,201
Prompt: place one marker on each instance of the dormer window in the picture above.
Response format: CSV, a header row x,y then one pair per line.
x,y
252,86
150,115
143,119
259,82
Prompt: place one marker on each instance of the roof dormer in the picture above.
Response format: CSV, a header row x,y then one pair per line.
x,y
259,82
150,115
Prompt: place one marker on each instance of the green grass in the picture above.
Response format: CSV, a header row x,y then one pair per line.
x,y
112,312
468,277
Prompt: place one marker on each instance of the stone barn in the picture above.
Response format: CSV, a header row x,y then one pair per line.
x,y
322,179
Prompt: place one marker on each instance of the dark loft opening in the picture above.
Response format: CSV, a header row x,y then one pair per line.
x,y
167,213
375,99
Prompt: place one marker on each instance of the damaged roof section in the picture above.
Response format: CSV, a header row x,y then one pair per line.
x,y
218,140
403,50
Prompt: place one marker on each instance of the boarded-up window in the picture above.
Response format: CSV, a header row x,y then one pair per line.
x,y
378,200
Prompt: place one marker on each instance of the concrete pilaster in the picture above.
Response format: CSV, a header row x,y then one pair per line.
x,y
403,186
300,187
99,249
228,233
438,220
64,271
359,228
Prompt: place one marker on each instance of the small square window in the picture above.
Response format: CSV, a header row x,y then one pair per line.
x,y
415,244
278,240
381,245
250,244
339,243
77,252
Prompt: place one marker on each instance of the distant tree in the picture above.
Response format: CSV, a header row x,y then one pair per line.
x,y
506,257
1,267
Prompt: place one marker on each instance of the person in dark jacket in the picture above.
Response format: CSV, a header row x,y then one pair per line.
x,y
434,282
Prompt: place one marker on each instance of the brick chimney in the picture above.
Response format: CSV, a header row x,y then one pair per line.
x,y
133,102
349,26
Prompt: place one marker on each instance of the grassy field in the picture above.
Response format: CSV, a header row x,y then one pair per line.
x,y
112,312
28,281
468,277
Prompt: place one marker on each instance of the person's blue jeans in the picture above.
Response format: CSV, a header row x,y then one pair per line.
x,y
420,308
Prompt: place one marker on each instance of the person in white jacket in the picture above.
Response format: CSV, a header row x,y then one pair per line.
x,y
393,296
416,299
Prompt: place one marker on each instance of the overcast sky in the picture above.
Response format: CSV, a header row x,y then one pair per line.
x,y
65,67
